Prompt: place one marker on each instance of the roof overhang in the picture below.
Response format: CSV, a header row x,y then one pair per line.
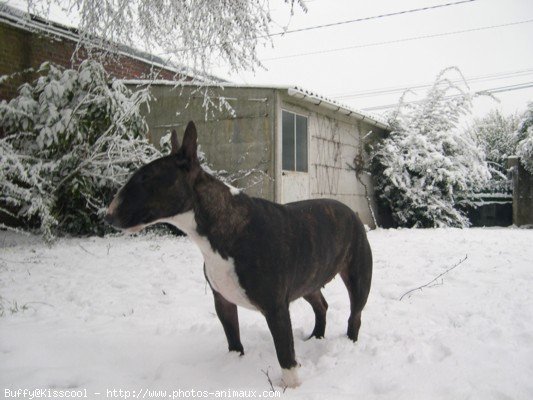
x,y
332,105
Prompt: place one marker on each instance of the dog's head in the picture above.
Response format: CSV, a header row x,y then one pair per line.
x,y
159,190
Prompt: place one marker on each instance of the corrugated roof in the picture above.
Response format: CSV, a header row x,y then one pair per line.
x,y
334,105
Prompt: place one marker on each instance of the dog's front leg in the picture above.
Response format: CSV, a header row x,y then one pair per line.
x,y
279,323
227,313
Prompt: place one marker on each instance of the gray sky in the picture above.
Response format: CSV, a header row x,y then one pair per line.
x,y
497,57
390,52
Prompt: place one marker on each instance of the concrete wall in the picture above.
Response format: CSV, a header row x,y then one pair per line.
x,y
239,143
335,144
522,193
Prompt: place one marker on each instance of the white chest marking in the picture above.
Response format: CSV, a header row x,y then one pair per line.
x,y
220,273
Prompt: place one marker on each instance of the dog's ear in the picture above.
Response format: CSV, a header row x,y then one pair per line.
x,y
174,142
189,145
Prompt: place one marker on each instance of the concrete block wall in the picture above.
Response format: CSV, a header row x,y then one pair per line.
x,y
239,142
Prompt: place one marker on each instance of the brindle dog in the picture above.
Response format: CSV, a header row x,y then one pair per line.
x,y
258,254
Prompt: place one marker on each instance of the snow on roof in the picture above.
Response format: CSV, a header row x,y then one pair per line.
x,y
294,91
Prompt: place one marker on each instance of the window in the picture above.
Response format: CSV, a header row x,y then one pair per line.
x,y
294,142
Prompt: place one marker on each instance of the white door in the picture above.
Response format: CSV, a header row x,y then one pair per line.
x,y
294,155
294,186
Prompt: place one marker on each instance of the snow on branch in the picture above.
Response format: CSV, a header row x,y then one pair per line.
x,y
193,35
524,139
428,167
72,139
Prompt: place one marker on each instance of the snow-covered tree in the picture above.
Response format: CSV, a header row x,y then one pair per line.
x,y
72,138
427,167
195,34
524,139
495,134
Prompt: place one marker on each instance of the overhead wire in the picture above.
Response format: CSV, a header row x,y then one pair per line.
x,y
509,88
504,75
501,89
325,51
399,89
344,22
350,21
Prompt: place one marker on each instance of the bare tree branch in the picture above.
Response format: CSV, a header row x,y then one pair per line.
x,y
269,380
437,277
196,35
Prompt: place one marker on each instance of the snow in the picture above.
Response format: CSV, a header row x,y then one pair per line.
x,y
135,313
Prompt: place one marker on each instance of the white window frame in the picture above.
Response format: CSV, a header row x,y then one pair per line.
x,y
295,144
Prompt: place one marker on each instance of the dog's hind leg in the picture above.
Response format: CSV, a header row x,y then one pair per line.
x,y
320,306
357,302
357,277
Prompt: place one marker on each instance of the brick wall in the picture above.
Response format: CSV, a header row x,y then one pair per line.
x,y
21,50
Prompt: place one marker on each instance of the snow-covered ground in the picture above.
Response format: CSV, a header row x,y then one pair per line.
x,y
134,313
